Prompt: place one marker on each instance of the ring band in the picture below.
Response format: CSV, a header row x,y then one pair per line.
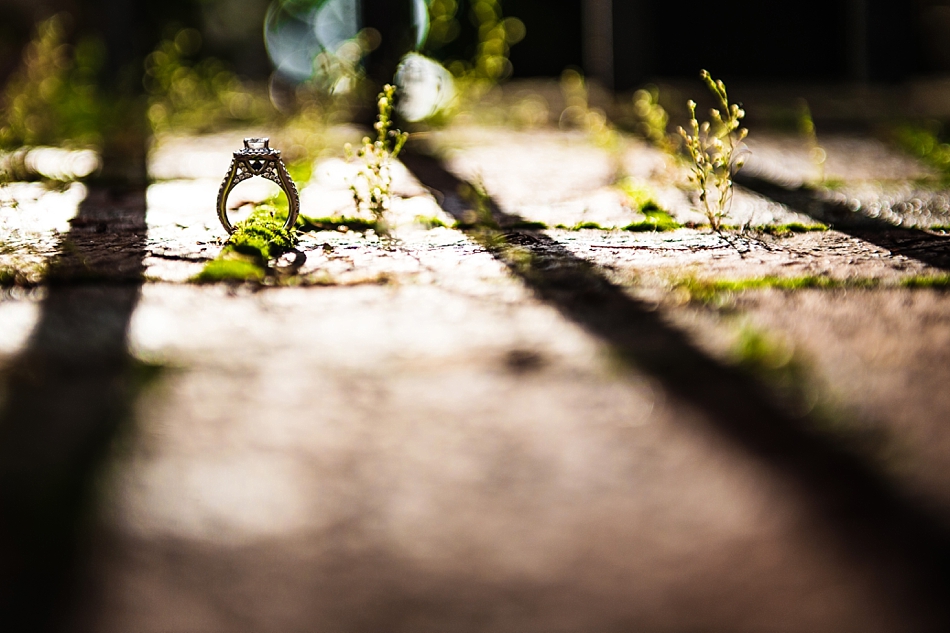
x,y
258,159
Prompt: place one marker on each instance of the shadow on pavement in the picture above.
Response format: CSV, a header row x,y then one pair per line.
x,y
61,402
902,547
933,250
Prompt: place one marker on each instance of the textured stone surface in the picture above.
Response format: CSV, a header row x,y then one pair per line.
x,y
432,439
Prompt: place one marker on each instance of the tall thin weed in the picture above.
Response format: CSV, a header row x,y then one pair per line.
x,y
372,192
715,152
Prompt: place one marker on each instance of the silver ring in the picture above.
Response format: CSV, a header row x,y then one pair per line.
x,y
258,159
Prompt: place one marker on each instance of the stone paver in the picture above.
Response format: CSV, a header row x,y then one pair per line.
x,y
418,458
429,441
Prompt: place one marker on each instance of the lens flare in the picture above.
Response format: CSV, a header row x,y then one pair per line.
x,y
425,87
319,39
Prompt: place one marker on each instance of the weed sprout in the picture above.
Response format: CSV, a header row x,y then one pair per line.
x,y
713,149
375,194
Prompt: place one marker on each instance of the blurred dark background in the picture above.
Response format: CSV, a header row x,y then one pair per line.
x,y
627,42
623,43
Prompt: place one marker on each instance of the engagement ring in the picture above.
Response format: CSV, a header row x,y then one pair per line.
x,y
258,159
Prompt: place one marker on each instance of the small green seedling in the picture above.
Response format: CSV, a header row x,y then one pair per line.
x,y
374,193
713,149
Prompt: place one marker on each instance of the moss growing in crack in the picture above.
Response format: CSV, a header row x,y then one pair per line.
x,y
713,290
255,242
784,230
637,194
640,197
262,235
580,226
940,282
710,291
341,223
430,222
233,269
657,220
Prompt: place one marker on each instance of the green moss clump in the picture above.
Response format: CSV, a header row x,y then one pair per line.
x,y
657,220
638,193
784,230
430,222
336,224
641,197
262,235
588,225
707,291
255,242
927,281
230,269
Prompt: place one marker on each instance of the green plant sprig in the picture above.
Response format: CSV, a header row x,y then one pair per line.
x,y
713,149
377,157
